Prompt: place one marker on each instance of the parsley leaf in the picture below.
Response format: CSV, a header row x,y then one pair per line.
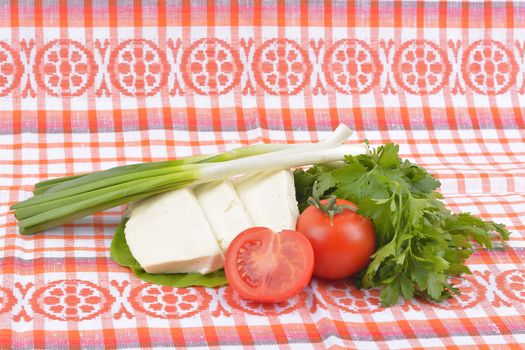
x,y
421,243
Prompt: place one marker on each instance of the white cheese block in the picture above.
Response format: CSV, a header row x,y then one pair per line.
x,y
169,233
224,211
269,199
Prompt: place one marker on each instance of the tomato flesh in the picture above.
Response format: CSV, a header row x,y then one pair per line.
x,y
270,267
341,248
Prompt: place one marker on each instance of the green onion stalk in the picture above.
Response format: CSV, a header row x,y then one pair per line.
x,y
59,201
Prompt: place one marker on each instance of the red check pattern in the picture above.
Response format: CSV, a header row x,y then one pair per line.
x,y
89,85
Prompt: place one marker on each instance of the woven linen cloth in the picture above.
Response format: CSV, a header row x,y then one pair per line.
x,y
88,85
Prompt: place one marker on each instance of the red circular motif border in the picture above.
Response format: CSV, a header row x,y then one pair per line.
x,y
168,302
237,66
512,284
113,67
18,67
71,300
276,66
512,71
258,68
397,67
376,67
7,301
77,300
40,65
263,309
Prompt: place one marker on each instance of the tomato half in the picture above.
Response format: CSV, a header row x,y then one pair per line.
x,y
341,248
269,267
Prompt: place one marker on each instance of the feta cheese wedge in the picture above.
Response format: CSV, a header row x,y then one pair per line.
x,y
224,211
269,199
169,233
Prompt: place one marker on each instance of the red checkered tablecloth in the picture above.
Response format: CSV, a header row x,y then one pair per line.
x,y
88,85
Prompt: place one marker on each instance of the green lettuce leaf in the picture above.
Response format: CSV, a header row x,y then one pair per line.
x,y
121,254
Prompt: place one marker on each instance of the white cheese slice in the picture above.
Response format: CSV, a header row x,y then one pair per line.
x,y
169,233
269,199
224,211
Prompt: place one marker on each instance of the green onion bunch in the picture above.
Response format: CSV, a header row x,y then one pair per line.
x,y
62,200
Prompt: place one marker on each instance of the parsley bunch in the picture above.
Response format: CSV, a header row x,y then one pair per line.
x,y
420,242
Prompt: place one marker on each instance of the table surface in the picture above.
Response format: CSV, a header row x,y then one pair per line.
x,y
89,85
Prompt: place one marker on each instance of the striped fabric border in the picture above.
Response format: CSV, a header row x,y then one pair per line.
x,y
85,66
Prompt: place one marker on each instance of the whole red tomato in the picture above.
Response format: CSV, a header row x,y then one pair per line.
x,y
342,245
